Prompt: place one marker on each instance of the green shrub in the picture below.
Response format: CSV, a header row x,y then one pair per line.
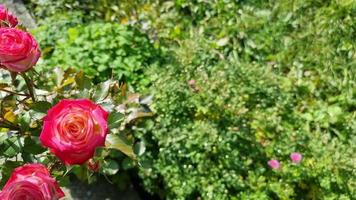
x,y
54,28
105,50
270,80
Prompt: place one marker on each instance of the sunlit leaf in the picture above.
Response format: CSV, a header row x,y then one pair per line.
x,y
10,116
114,141
140,148
102,90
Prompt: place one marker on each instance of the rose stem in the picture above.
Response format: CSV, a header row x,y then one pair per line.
x,y
29,86
12,92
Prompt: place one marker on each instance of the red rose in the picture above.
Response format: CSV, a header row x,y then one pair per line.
x,y
6,18
31,182
73,129
18,50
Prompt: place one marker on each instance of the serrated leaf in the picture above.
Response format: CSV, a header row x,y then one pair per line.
x,y
114,141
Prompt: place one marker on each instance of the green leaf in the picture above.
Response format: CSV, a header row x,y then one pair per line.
x,y
41,106
115,119
12,146
32,145
59,75
138,113
118,142
102,90
82,81
140,148
109,167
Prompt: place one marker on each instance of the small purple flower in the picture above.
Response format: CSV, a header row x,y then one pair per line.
x,y
274,164
296,157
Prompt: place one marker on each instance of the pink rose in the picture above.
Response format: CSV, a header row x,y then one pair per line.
x,y
31,182
18,50
296,157
6,18
73,129
274,164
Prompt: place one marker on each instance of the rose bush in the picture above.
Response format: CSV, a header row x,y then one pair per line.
x,y
19,51
31,182
73,129
6,18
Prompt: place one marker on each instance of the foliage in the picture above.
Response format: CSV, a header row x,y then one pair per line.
x,y
269,80
101,50
244,82
104,50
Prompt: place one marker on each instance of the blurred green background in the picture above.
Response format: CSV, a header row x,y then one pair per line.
x,y
235,84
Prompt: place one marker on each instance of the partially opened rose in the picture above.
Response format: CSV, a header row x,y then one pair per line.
x,y
31,182
73,129
19,51
6,18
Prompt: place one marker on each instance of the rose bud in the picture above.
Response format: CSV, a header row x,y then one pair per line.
x,y
19,51
93,165
296,157
31,182
274,164
6,18
73,129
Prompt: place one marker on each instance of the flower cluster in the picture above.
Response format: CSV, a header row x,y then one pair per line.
x,y
72,129
295,158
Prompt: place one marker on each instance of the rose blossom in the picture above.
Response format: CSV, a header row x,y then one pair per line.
x,y
274,164
296,157
19,51
73,129
31,182
6,18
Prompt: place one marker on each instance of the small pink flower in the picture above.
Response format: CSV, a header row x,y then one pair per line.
x,y
296,157
274,164
191,82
